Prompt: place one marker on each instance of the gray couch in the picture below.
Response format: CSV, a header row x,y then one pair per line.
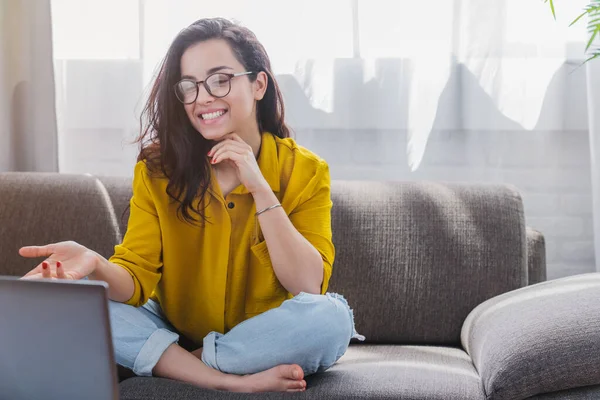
x,y
447,284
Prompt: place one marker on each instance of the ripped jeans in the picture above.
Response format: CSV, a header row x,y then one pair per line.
x,y
313,331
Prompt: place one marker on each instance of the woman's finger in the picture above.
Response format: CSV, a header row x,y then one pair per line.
x,y
36,270
235,137
60,271
46,272
216,147
227,155
228,139
227,144
32,277
37,251
234,147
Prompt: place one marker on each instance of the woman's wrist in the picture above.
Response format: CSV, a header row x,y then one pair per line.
x,y
100,263
264,198
120,282
264,188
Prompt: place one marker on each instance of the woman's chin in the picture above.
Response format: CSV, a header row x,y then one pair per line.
x,y
212,134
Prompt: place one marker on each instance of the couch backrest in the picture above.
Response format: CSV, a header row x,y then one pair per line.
x,y
41,208
413,259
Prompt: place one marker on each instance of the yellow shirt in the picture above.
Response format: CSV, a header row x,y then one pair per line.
x,y
213,276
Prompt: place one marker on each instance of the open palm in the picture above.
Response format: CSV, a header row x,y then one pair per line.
x,y
64,260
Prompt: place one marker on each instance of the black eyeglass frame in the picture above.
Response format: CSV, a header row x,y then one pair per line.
x,y
197,83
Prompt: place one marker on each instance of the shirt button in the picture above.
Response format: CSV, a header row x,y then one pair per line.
x,y
231,205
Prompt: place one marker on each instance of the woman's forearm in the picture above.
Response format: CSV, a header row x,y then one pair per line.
x,y
296,262
120,282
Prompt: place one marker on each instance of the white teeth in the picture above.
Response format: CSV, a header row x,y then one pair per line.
x,y
213,115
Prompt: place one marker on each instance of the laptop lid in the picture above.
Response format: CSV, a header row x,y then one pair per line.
x,y
55,340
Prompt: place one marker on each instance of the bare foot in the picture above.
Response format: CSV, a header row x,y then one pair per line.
x,y
282,378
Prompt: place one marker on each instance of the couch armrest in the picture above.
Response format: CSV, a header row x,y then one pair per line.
x,y
536,256
537,339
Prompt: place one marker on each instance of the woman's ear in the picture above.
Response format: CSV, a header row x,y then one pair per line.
x,y
260,85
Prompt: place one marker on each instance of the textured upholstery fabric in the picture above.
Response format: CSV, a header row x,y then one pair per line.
x,y
119,191
539,339
413,259
536,256
365,372
583,393
41,208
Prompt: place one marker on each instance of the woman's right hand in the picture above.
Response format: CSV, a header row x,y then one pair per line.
x,y
65,260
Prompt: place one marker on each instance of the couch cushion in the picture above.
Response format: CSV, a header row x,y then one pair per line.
x,y
582,393
413,259
42,208
538,339
365,372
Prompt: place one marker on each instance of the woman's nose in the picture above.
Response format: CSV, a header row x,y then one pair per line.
x,y
203,96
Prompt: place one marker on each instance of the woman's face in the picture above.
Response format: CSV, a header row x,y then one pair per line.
x,y
215,117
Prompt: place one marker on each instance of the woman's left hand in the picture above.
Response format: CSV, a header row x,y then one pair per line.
x,y
234,150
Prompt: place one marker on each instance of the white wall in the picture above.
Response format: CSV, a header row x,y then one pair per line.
x,y
555,184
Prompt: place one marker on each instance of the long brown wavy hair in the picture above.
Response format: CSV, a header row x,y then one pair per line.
x,y
169,144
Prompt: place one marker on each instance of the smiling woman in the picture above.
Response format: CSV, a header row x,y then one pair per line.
x,y
225,82
221,106
230,218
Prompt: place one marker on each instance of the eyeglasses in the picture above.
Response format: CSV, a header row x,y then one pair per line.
x,y
217,85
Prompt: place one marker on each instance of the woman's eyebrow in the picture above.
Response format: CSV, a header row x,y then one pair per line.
x,y
215,69
210,71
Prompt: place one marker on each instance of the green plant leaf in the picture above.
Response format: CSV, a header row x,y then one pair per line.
x,y
593,11
578,18
593,57
591,41
551,7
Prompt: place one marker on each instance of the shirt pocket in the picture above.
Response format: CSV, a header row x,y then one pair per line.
x,y
263,290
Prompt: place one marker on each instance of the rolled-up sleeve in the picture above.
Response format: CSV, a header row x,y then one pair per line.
x,y
140,253
312,218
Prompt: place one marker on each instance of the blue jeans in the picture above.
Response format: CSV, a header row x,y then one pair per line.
x,y
312,331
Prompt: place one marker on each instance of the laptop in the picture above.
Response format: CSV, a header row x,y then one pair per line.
x,y
55,340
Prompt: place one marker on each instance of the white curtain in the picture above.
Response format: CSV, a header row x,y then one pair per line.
x,y
593,97
28,136
462,90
